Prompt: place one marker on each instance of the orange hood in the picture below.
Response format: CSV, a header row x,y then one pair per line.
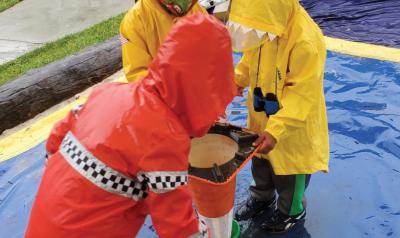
x,y
193,72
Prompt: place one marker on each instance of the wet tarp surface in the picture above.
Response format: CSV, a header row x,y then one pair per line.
x,y
19,181
372,21
358,198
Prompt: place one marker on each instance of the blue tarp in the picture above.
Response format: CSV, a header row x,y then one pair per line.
x,y
358,198
372,21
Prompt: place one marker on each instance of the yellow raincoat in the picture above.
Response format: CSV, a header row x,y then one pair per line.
x,y
292,66
143,29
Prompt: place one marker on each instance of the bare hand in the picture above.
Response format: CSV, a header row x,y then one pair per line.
x,y
267,142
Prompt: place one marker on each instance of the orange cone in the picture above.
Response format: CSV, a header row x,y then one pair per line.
x,y
214,199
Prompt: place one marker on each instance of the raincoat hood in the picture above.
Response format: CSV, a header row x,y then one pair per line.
x,y
271,16
193,72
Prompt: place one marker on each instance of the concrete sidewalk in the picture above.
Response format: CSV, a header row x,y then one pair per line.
x,y
31,23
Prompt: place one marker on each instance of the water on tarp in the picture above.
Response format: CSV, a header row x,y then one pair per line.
x,y
211,157
358,198
212,149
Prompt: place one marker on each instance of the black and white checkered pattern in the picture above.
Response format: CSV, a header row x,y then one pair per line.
x,y
166,181
99,173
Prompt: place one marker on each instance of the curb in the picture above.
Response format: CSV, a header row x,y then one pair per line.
x,y
39,89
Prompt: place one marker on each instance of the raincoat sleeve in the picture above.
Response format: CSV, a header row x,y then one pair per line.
x,y
169,201
135,56
242,72
302,91
58,133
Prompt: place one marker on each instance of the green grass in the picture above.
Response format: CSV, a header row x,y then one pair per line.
x,y
59,49
6,4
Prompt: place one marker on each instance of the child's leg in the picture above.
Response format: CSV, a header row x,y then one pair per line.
x,y
262,191
291,188
263,187
291,202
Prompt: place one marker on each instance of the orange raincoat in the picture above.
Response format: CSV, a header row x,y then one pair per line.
x,y
124,154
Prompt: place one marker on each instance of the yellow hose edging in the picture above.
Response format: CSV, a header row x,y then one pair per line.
x,y
362,49
32,135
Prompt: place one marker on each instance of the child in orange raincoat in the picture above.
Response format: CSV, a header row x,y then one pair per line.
x,y
124,154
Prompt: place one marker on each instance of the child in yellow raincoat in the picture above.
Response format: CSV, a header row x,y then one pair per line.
x,y
283,66
144,28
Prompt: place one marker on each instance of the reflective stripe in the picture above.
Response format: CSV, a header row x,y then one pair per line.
x,y
166,181
99,173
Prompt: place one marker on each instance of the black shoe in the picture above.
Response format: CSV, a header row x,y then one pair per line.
x,y
252,207
280,223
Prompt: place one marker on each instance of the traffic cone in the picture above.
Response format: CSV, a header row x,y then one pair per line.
x,y
215,160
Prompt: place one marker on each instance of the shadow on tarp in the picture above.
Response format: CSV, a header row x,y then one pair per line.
x,y
369,21
358,198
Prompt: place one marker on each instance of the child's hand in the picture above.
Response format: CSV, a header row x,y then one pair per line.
x,y
239,91
222,119
267,142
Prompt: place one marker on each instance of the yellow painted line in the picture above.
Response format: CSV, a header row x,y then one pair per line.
x,y
363,49
36,133
33,135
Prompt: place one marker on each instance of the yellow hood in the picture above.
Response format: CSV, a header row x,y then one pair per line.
x,y
266,15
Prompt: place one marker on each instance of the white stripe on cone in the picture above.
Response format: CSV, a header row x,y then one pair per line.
x,y
220,227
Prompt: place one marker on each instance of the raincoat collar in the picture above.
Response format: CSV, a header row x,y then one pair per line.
x,y
267,16
260,33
